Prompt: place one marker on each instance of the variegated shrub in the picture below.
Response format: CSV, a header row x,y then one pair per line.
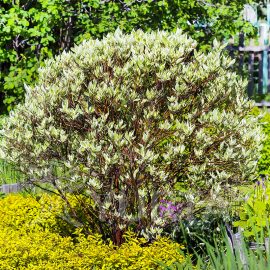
x,y
125,118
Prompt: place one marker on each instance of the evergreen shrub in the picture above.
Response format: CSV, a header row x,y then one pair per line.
x,y
126,118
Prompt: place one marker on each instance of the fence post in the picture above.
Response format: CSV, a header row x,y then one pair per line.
x,y
237,245
264,28
266,244
260,77
251,74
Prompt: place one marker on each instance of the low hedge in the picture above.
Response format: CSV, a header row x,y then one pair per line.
x,y
30,239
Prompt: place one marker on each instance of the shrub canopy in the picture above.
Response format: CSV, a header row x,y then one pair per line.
x,y
32,31
125,118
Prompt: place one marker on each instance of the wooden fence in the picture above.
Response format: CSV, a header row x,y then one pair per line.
x,y
11,188
253,61
237,245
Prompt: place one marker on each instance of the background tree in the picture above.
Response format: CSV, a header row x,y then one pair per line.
x,y
261,6
126,118
32,31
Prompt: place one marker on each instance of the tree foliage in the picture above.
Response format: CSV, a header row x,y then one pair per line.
x,y
125,118
32,31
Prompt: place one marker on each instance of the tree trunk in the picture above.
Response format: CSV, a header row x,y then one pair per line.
x,y
117,232
117,236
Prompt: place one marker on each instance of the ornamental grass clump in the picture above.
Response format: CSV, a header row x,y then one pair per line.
x,y
125,118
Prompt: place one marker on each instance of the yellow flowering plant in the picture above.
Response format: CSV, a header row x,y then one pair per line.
x,y
30,238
